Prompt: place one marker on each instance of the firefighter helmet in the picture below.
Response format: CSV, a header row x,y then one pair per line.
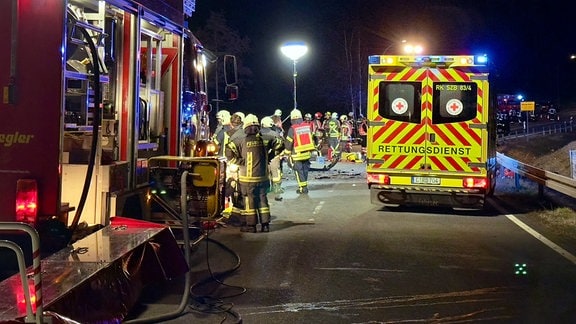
x,y
334,115
267,122
223,116
251,120
308,116
278,112
343,118
327,115
240,114
295,114
318,115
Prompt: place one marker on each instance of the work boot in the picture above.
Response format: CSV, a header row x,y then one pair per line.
x,y
265,228
248,229
277,188
302,190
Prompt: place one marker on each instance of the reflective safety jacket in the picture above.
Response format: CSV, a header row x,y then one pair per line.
x,y
346,130
250,153
363,128
273,140
221,137
317,128
334,128
298,142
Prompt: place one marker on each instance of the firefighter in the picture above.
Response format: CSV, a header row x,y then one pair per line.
x,y
334,136
251,153
269,133
308,121
345,134
299,145
236,125
327,117
363,133
220,136
233,186
277,118
317,130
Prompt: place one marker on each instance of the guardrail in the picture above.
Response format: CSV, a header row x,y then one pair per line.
x,y
542,177
559,127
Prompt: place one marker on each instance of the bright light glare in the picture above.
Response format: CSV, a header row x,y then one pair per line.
x,y
413,49
294,50
482,59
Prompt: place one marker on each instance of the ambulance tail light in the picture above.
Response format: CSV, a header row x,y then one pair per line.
x,y
475,183
26,200
378,178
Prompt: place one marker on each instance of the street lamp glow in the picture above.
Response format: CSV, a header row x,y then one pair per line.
x,y
294,51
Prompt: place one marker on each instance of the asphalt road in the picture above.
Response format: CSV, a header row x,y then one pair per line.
x,y
332,257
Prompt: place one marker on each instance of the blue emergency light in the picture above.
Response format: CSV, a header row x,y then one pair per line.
x,y
481,59
373,59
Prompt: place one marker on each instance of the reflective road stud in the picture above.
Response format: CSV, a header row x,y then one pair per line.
x,y
520,269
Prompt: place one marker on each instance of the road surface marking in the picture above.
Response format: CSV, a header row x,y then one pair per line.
x,y
558,249
567,255
317,209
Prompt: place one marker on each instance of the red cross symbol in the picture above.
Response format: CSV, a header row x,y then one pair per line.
x,y
454,106
399,105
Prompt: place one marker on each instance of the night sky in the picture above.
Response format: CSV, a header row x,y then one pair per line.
x,y
528,42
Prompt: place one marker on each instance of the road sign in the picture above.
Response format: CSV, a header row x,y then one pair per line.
x,y
527,106
573,163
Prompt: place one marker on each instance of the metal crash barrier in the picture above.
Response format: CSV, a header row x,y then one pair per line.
x,y
542,177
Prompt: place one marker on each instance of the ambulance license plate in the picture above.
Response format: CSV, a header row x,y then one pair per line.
x,y
426,180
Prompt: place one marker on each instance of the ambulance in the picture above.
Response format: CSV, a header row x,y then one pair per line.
x,y
431,131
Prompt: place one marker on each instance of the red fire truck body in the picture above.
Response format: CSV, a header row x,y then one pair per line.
x,y
148,62
91,92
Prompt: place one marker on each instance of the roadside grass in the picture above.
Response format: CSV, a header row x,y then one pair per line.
x,y
561,220
549,152
533,148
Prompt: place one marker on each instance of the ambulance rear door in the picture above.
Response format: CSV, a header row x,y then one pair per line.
x,y
427,124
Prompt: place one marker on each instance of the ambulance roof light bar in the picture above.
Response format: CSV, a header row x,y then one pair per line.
x,y
428,60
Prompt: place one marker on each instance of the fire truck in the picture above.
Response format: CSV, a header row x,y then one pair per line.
x,y
431,135
104,106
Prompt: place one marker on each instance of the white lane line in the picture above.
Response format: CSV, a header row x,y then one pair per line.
x,y
317,208
555,247
567,255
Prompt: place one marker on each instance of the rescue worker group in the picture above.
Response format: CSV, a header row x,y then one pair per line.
x,y
256,149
